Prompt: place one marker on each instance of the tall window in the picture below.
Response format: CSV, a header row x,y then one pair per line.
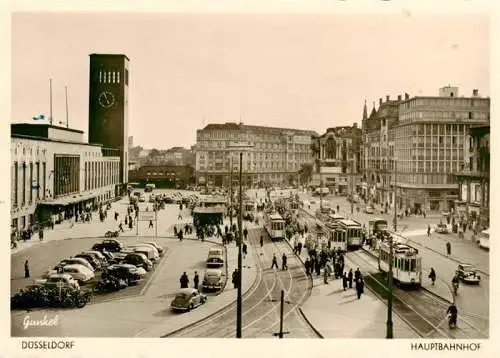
x,y
44,175
24,184
31,183
38,180
16,183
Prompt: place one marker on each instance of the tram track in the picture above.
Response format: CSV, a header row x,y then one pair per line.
x,y
261,304
422,310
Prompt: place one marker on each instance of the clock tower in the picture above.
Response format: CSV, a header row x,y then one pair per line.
x,y
108,105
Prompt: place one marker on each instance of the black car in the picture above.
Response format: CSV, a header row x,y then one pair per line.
x,y
126,272
96,264
138,260
109,245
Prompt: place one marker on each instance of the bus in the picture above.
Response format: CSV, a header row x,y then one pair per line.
x,y
484,239
407,263
275,226
354,232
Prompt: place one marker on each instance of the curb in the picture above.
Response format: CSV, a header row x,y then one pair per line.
x,y
166,335
309,323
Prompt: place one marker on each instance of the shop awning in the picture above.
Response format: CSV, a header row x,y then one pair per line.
x,y
68,200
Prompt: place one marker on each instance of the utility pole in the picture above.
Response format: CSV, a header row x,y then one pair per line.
x,y
231,192
137,224
352,186
281,313
240,239
395,198
389,334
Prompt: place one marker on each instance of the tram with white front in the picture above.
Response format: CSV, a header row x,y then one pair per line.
x,y
354,232
407,263
484,239
274,225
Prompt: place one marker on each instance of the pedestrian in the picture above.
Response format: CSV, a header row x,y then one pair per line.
x,y
357,275
283,262
275,262
307,265
150,224
235,278
261,240
359,287
26,269
196,279
120,227
429,230
299,248
245,233
317,266
40,234
126,220
244,249
349,278
175,230
325,276
432,276
184,280
344,281
448,248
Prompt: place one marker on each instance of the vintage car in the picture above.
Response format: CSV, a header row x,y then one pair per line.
x,y
74,261
110,245
130,273
441,229
213,280
160,249
149,251
187,299
369,209
96,264
79,272
215,257
468,274
62,280
139,260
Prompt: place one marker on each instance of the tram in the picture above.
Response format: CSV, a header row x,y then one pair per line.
x,y
274,225
484,239
338,237
407,263
249,210
354,232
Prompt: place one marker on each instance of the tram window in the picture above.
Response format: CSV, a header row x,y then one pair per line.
x,y
406,265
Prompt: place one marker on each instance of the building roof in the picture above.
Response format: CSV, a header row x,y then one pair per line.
x,y
251,128
33,128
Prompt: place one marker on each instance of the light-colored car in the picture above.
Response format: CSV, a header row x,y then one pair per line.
x,y
63,280
160,249
187,299
468,274
369,209
442,229
75,261
139,270
79,272
213,280
149,251
215,257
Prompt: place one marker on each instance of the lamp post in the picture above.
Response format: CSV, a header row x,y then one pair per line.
x,y
352,186
240,239
231,192
389,333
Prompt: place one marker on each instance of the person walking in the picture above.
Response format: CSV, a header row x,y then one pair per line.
x,y
275,262
307,265
448,248
184,280
120,227
432,276
284,266
40,234
26,269
150,224
244,249
325,276
357,275
429,230
235,278
359,287
349,278
261,240
344,281
245,233
196,279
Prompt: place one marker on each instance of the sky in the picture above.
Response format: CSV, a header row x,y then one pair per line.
x,y
305,71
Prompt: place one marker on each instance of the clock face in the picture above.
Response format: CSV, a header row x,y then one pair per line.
x,y
106,99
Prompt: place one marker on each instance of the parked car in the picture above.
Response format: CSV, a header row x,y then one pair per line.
x,y
215,257
369,209
213,280
468,274
96,264
149,251
75,260
142,199
139,260
110,245
442,229
160,249
129,273
79,272
139,270
98,255
63,280
187,299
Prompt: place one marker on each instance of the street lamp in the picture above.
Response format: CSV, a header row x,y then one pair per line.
x,y
240,239
389,333
231,192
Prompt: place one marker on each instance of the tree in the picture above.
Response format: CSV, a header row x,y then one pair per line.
x,y
305,172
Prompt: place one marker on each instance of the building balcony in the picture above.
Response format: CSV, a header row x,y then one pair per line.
x,y
473,174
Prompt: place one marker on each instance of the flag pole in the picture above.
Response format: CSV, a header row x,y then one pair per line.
x,y
50,92
66,92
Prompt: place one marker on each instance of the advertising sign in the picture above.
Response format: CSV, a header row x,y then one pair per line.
x,y
146,215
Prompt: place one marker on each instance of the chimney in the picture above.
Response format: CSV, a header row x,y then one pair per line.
x,y
387,98
475,92
399,97
407,96
380,101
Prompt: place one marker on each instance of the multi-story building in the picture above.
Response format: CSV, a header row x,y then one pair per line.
x,y
270,155
431,144
54,172
474,179
338,159
378,149
418,143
